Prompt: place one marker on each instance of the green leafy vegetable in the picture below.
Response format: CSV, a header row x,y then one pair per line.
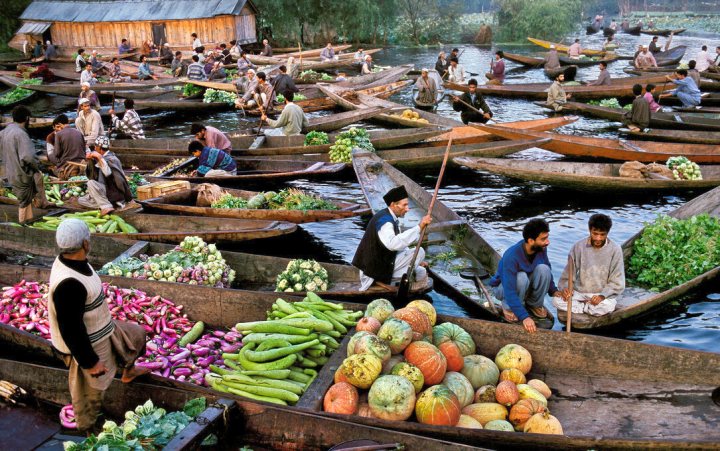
x,y
190,89
341,151
215,95
287,199
19,93
316,138
609,103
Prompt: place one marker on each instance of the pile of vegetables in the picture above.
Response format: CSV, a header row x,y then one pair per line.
x,y
287,199
302,275
145,428
280,357
673,251
190,90
193,262
413,366
136,179
59,193
316,138
6,191
413,116
216,95
95,222
19,93
341,151
610,103
172,165
311,75
281,98
684,169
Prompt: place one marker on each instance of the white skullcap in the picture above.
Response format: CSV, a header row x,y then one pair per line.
x,y
85,84
552,46
70,235
47,42
82,101
423,69
251,70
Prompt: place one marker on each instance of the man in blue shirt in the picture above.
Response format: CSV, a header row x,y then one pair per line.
x,y
687,91
524,276
212,162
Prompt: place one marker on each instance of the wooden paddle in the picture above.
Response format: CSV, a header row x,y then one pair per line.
x,y
473,108
408,277
571,278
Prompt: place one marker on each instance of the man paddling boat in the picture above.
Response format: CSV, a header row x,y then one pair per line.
x,y
654,47
292,120
456,73
638,118
645,59
574,51
598,272
687,91
427,89
497,69
384,255
441,65
130,124
476,101
107,187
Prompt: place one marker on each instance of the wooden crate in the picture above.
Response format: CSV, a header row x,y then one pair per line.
x,y
161,188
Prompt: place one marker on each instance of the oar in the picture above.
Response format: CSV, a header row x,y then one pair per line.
x,y
407,278
473,108
571,277
262,109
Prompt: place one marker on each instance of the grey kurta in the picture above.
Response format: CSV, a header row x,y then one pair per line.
x,y
427,89
552,60
20,161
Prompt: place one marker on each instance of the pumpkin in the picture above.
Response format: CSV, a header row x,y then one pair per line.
x,y
371,344
486,393
514,375
486,411
353,341
523,410
380,309
466,421
460,386
418,321
506,393
452,332
540,386
392,361
425,307
455,360
514,356
527,392
368,324
480,370
397,333
411,373
543,423
361,370
392,398
429,359
364,410
339,376
438,405
499,425
341,398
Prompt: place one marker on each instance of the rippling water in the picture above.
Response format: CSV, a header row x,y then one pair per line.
x,y
498,207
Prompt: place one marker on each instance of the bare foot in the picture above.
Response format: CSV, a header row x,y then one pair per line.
x,y
129,374
106,211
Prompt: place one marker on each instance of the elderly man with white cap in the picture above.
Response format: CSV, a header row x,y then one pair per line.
x,y
87,93
645,59
552,60
82,329
87,75
89,123
427,88
108,187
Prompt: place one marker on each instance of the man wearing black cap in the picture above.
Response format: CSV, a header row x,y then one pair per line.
x,y
383,255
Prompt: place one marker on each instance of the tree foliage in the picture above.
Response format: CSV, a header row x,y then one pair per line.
x,y
549,19
9,22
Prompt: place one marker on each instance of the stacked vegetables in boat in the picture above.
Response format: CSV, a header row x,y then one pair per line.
x,y
411,366
302,275
96,222
287,199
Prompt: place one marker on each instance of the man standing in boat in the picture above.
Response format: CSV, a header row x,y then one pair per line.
x,y
524,276
427,88
598,272
470,104
383,255
93,345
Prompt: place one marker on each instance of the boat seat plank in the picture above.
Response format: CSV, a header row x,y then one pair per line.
x,y
25,428
194,433
257,143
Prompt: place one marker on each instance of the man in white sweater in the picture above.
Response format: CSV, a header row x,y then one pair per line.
x,y
599,272
89,123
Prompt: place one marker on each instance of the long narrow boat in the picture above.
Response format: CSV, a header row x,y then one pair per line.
x,y
633,30
670,57
592,177
677,136
593,28
591,61
185,202
172,102
590,147
677,121
72,89
568,71
36,123
562,48
173,229
539,90
313,52
635,301
661,32
525,60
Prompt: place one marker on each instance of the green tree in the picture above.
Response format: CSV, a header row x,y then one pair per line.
x,y
9,19
549,19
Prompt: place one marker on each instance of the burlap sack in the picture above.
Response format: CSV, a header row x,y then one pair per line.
x,y
207,194
632,169
658,171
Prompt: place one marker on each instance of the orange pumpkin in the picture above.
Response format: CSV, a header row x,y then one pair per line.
x,y
521,412
428,359
506,393
418,321
438,405
513,375
455,359
341,398
339,376
368,324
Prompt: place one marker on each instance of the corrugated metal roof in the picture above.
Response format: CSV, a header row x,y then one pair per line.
x,y
130,10
33,28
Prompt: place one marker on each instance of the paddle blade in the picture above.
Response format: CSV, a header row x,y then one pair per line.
x,y
403,290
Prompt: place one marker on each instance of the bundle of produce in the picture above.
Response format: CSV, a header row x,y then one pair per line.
x,y
302,275
145,428
193,262
311,75
172,165
59,193
214,95
95,222
413,366
6,191
610,103
19,93
316,138
136,179
190,90
673,251
341,151
413,116
287,199
281,98
684,169
280,357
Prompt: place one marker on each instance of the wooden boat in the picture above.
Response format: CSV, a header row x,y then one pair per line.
x,y
678,121
173,229
677,136
72,89
172,102
593,28
633,30
568,71
592,177
699,109
635,300
236,421
582,62
525,60
36,123
184,203
711,75
562,48
589,147
607,32
440,93
671,57
662,32
339,120
313,52
11,105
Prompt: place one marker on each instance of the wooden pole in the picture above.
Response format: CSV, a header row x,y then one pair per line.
x,y
571,278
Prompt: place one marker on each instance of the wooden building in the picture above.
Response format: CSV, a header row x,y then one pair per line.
x,y
102,24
